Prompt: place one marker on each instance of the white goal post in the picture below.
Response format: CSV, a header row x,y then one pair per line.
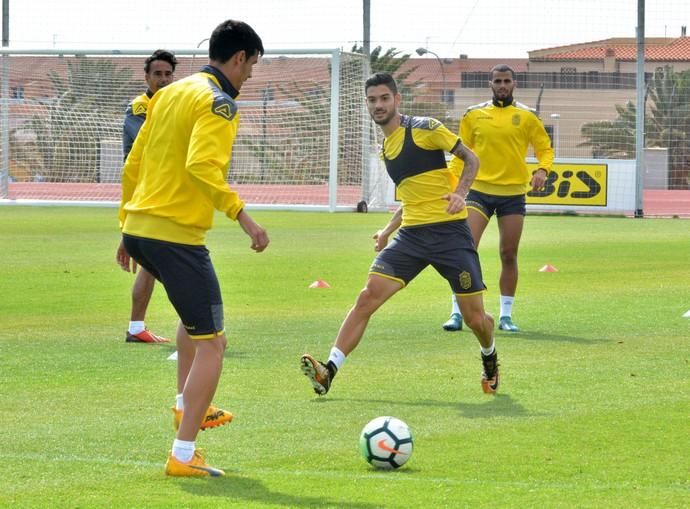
x,y
305,140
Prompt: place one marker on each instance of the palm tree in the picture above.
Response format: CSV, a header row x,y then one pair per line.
x,y
390,61
666,125
86,107
305,132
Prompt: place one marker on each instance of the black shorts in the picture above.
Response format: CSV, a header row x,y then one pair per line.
x,y
189,280
447,247
490,204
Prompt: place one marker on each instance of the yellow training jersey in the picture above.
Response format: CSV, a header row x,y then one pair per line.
x,y
415,160
134,119
500,136
175,175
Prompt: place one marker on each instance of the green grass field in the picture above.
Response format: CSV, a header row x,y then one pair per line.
x,y
593,410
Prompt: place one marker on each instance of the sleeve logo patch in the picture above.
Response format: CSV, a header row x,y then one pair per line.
x,y
433,124
139,109
224,107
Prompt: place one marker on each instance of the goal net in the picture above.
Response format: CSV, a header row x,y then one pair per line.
x,y
304,138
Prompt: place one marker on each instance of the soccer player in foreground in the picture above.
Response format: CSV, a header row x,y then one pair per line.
x,y
500,131
159,71
433,231
173,179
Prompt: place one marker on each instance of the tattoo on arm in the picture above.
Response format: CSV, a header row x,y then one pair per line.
x,y
470,168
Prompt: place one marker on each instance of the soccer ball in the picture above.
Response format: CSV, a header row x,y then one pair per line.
x,y
386,442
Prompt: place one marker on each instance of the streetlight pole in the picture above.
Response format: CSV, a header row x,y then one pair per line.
x,y
197,47
424,51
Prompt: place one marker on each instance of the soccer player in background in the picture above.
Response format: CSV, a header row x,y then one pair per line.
x,y
433,231
500,131
159,71
173,179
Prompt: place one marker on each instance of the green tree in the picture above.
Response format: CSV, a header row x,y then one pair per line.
x,y
293,146
392,61
667,124
86,107
297,151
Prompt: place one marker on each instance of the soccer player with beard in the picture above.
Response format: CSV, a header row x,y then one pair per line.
x,y
500,132
433,231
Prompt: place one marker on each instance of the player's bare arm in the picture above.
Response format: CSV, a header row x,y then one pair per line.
x,y
456,199
381,236
256,233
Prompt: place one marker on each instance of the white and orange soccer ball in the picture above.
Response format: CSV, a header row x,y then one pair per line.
x,y
386,442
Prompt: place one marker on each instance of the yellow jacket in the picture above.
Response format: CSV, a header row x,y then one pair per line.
x,y
175,175
134,119
500,136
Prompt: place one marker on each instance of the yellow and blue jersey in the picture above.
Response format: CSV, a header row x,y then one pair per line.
x,y
175,175
135,115
500,135
415,160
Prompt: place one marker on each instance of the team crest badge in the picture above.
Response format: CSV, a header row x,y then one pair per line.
x,y
465,280
516,120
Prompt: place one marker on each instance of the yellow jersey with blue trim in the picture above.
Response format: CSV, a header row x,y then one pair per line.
x,y
175,175
135,115
414,155
500,135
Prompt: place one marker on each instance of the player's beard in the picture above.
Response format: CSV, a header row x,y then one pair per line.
x,y
504,98
384,120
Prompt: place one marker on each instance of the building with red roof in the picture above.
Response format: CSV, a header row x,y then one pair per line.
x,y
613,55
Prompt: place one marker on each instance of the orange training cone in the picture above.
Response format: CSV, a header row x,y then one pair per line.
x,y
548,268
319,283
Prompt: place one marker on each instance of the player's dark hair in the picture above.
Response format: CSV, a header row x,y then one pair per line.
x,y
160,54
501,68
232,36
381,78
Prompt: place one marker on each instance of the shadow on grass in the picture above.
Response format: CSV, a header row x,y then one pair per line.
x,y
498,405
234,487
548,336
531,336
229,353
402,471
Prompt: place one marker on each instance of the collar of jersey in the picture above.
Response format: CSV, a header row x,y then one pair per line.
x,y
224,82
503,104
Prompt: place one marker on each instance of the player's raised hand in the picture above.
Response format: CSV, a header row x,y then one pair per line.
x,y
456,203
256,233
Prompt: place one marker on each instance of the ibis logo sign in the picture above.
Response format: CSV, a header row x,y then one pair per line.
x,y
572,184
